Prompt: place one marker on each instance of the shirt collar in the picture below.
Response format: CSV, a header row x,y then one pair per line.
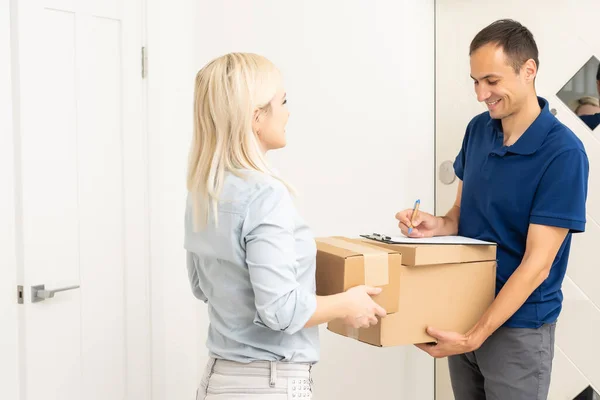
x,y
533,138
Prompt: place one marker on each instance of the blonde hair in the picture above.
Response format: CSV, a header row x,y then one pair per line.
x,y
584,101
229,91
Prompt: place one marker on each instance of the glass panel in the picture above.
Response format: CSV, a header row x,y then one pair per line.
x,y
588,394
582,94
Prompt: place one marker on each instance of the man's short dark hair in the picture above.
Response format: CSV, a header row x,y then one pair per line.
x,y
516,41
598,73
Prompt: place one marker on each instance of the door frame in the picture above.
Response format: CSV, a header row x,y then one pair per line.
x,y
437,388
136,181
9,308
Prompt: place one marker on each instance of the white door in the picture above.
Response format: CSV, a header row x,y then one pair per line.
x,y
79,210
567,37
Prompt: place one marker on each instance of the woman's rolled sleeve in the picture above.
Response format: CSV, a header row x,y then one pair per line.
x,y
193,277
282,304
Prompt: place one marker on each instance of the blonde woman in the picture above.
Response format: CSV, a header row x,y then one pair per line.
x,y
250,256
586,105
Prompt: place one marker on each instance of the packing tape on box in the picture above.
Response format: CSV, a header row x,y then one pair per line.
x,y
352,332
376,261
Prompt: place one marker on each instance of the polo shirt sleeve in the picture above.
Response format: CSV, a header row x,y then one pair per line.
x,y
460,161
561,194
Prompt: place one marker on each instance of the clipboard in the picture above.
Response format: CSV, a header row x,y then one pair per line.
x,y
440,240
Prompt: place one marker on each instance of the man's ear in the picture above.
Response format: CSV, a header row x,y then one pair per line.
x,y
598,83
530,70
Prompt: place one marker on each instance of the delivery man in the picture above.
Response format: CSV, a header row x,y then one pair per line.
x,y
523,185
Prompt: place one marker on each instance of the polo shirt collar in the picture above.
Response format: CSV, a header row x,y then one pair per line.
x,y
533,138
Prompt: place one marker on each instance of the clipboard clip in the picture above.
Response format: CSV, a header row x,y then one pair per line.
x,y
378,237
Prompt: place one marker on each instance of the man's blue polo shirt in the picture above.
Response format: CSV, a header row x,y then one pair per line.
x,y
541,179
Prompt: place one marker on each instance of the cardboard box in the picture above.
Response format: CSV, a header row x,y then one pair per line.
x,y
343,263
447,287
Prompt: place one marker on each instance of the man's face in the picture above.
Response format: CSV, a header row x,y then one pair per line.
x,y
497,84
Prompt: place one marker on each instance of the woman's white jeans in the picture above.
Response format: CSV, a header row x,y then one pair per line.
x,y
228,380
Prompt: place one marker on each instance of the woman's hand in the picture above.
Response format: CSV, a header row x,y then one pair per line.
x,y
361,310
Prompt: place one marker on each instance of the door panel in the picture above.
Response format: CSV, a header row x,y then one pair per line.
x,y
49,166
82,189
101,198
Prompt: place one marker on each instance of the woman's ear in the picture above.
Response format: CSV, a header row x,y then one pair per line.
x,y
256,122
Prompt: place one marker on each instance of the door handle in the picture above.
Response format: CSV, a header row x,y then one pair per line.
x,y
39,292
446,172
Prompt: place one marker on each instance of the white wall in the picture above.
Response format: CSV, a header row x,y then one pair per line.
x,y
360,147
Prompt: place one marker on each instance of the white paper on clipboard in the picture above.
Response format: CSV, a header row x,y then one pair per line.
x,y
432,240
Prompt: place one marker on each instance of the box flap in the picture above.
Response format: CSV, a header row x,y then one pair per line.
x,y
333,247
432,254
375,259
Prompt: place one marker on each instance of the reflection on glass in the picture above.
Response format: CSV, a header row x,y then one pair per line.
x,y
588,394
582,93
